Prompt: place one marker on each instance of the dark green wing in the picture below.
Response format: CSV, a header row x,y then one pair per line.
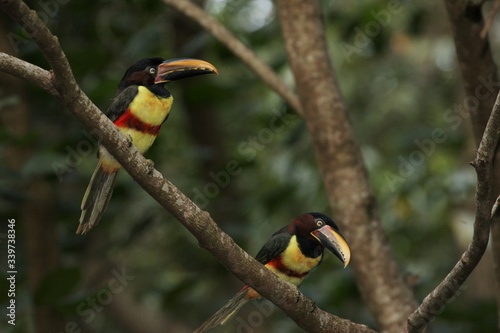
x,y
121,102
274,246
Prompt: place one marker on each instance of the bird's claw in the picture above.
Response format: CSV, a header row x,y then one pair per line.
x,y
314,307
298,296
130,140
150,166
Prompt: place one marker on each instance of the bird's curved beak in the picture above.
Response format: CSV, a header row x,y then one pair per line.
x,y
176,69
334,242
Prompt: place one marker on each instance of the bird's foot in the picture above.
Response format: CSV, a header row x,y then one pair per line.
x,y
130,140
314,307
298,296
150,166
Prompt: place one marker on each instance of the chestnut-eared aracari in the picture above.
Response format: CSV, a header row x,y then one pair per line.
x,y
291,253
141,106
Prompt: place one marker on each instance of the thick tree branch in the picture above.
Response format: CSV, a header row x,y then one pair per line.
x,y
300,308
380,281
246,55
483,163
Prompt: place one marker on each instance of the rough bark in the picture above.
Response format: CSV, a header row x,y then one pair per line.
x,y
345,178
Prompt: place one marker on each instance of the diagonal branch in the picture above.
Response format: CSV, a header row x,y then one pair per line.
x,y
246,55
447,289
300,308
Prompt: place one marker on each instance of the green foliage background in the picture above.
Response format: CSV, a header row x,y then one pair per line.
x,y
399,84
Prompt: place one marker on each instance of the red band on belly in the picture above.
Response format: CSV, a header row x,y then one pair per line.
x,y
277,263
129,120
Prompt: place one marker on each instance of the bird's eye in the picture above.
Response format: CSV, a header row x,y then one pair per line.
x,y
152,70
319,223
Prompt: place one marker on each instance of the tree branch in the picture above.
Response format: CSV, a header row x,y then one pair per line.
x,y
246,55
24,70
300,308
379,279
483,163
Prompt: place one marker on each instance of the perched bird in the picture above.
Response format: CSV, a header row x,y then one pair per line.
x,y
291,253
141,106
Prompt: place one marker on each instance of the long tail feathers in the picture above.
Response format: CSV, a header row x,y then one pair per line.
x,y
226,312
96,199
